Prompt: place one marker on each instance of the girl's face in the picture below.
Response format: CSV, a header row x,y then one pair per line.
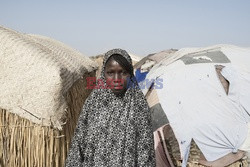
x,y
116,77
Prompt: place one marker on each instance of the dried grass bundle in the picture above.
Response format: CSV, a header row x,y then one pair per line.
x,y
24,143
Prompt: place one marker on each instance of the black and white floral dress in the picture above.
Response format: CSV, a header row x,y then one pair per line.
x,y
113,131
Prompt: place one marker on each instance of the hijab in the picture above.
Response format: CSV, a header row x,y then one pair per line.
x,y
113,131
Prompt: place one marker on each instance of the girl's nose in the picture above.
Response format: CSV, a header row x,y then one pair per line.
x,y
117,76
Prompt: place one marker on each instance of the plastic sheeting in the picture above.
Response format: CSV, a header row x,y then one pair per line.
x,y
197,105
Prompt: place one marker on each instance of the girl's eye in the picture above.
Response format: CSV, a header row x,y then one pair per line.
x,y
109,73
124,73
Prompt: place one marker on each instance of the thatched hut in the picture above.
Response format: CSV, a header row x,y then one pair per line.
x,y
42,90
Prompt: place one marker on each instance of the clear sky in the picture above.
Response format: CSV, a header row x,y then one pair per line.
x,y
139,26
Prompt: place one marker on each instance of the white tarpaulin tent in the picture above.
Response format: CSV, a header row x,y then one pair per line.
x,y
196,104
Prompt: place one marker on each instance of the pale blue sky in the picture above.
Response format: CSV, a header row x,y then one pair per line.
x,y
139,26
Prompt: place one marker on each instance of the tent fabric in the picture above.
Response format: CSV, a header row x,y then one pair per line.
x,y
147,65
162,160
36,73
163,54
196,158
140,76
196,103
155,57
158,69
158,116
142,61
135,58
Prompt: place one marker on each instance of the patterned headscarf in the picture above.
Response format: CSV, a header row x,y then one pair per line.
x,y
116,51
113,131
132,81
